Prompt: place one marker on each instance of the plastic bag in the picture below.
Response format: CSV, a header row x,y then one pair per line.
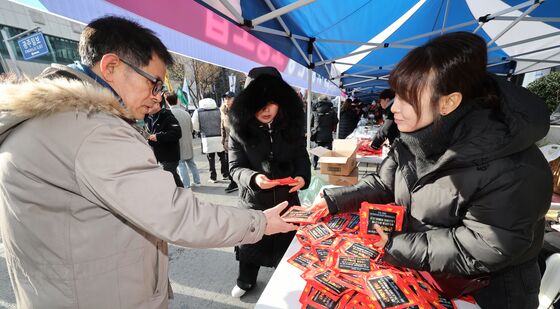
x,y
307,196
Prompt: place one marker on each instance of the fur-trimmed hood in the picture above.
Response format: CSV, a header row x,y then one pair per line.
x,y
43,97
264,89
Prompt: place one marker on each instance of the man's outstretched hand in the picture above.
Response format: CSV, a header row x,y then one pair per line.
x,y
275,224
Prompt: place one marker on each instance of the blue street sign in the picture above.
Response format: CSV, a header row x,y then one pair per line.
x,y
33,46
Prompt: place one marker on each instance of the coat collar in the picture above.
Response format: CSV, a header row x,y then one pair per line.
x,y
52,94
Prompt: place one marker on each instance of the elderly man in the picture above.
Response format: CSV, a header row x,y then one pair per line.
x,y
85,210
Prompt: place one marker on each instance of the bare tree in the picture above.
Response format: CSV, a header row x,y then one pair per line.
x,y
204,78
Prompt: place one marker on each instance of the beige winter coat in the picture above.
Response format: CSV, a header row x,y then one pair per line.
x,y
85,210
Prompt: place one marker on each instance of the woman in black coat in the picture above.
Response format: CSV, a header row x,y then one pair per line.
x,y
266,143
349,118
466,168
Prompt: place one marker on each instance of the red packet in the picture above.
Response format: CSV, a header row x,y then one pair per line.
x,y
355,248
350,264
389,217
355,282
355,302
468,298
320,300
444,303
305,294
302,236
303,259
390,290
321,253
301,215
353,222
285,181
325,281
318,232
337,223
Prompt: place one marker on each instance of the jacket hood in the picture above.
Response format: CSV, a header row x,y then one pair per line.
x,y
520,119
324,106
43,97
207,103
261,91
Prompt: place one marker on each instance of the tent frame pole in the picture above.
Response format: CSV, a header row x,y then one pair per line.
x,y
536,51
535,60
233,11
279,12
530,18
366,43
308,105
363,81
513,23
525,41
287,31
279,33
543,60
445,16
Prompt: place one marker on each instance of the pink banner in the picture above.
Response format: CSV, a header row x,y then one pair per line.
x,y
195,20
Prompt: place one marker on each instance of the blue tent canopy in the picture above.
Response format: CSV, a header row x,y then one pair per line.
x,y
356,43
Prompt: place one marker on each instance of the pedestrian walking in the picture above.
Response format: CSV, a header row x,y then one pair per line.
x,y
186,157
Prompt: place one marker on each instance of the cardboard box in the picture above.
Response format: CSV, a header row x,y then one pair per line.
x,y
341,160
344,181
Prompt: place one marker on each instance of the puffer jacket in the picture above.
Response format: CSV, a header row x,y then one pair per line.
x,y
85,210
168,132
276,158
348,122
323,121
480,208
277,150
207,120
389,130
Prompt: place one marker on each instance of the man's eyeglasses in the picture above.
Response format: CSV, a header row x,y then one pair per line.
x,y
159,87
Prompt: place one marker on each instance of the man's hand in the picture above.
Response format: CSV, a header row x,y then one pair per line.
x,y
152,138
297,186
264,183
275,224
384,237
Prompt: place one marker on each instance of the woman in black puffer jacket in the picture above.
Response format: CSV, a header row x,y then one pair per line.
x,y
349,118
475,186
266,143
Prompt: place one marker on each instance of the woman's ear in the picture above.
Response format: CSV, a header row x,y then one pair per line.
x,y
449,103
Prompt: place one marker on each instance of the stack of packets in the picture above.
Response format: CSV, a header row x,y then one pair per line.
x,y
343,267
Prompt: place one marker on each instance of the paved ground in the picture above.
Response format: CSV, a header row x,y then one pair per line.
x,y
196,284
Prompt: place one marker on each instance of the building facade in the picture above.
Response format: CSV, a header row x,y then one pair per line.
x,y
61,35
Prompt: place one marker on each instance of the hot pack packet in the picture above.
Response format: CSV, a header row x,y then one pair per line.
x,y
301,215
388,217
389,290
285,181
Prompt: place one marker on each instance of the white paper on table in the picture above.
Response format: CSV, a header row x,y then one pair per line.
x,y
551,152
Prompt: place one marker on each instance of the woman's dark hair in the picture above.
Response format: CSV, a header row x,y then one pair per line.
x,y
454,62
261,91
387,94
347,104
171,99
126,38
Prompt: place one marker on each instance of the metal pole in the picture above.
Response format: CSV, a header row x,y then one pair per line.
x,y
309,85
281,11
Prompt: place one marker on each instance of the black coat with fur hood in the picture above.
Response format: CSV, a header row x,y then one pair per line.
x,y
276,150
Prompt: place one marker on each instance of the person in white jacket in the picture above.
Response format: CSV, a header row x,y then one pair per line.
x,y
207,120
